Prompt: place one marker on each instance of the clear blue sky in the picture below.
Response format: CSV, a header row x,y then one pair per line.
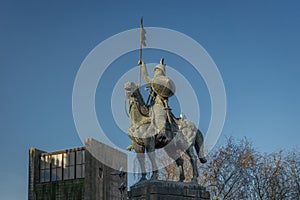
x,y
255,45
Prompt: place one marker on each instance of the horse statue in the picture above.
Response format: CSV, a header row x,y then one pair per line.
x,y
181,136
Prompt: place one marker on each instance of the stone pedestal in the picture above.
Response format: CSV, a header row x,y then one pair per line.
x,y
152,190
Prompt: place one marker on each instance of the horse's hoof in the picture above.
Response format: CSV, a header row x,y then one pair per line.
x,y
203,160
154,176
181,179
142,179
194,180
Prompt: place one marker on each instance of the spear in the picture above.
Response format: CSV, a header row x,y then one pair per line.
x,y
142,43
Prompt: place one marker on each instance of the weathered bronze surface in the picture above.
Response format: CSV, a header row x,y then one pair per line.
x,y
153,125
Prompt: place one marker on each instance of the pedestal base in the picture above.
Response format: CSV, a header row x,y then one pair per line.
x,y
152,190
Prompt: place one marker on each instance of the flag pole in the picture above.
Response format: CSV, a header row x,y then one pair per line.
x,y
141,38
142,42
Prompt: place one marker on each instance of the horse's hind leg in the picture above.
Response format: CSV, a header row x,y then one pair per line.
x,y
199,146
179,163
174,152
193,159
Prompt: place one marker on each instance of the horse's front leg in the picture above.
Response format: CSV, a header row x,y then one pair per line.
x,y
193,159
140,150
150,149
179,163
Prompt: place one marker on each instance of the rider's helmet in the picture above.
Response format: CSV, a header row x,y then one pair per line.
x,y
161,67
161,84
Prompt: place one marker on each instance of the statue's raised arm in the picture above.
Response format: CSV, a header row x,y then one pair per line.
x,y
145,75
160,83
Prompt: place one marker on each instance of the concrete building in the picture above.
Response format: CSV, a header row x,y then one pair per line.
x,y
75,174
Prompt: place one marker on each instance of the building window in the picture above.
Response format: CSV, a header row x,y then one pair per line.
x,y
62,166
56,167
69,165
45,168
80,164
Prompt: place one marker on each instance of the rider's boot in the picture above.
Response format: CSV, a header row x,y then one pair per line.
x,y
203,160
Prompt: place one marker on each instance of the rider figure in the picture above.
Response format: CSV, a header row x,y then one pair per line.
x,y
162,87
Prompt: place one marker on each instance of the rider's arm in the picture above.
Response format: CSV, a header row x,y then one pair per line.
x,y
145,75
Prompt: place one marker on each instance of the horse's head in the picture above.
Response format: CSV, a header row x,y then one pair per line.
x,y
130,89
137,108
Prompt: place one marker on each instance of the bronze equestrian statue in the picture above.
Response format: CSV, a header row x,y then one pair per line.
x,y
154,126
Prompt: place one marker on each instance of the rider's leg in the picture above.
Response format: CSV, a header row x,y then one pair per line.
x,y
159,117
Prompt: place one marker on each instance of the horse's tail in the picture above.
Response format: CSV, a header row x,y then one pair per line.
x,y
199,146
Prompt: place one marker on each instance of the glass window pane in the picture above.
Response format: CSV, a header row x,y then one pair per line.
x,y
83,170
83,156
53,175
78,171
78,157
42,162
53,161
56,160
59,174
69,173
66,173
66,160
47,162
72,172
59,160
47,175
72,158
42,176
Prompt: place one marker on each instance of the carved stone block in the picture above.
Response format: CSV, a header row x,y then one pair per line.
x,y
156,190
